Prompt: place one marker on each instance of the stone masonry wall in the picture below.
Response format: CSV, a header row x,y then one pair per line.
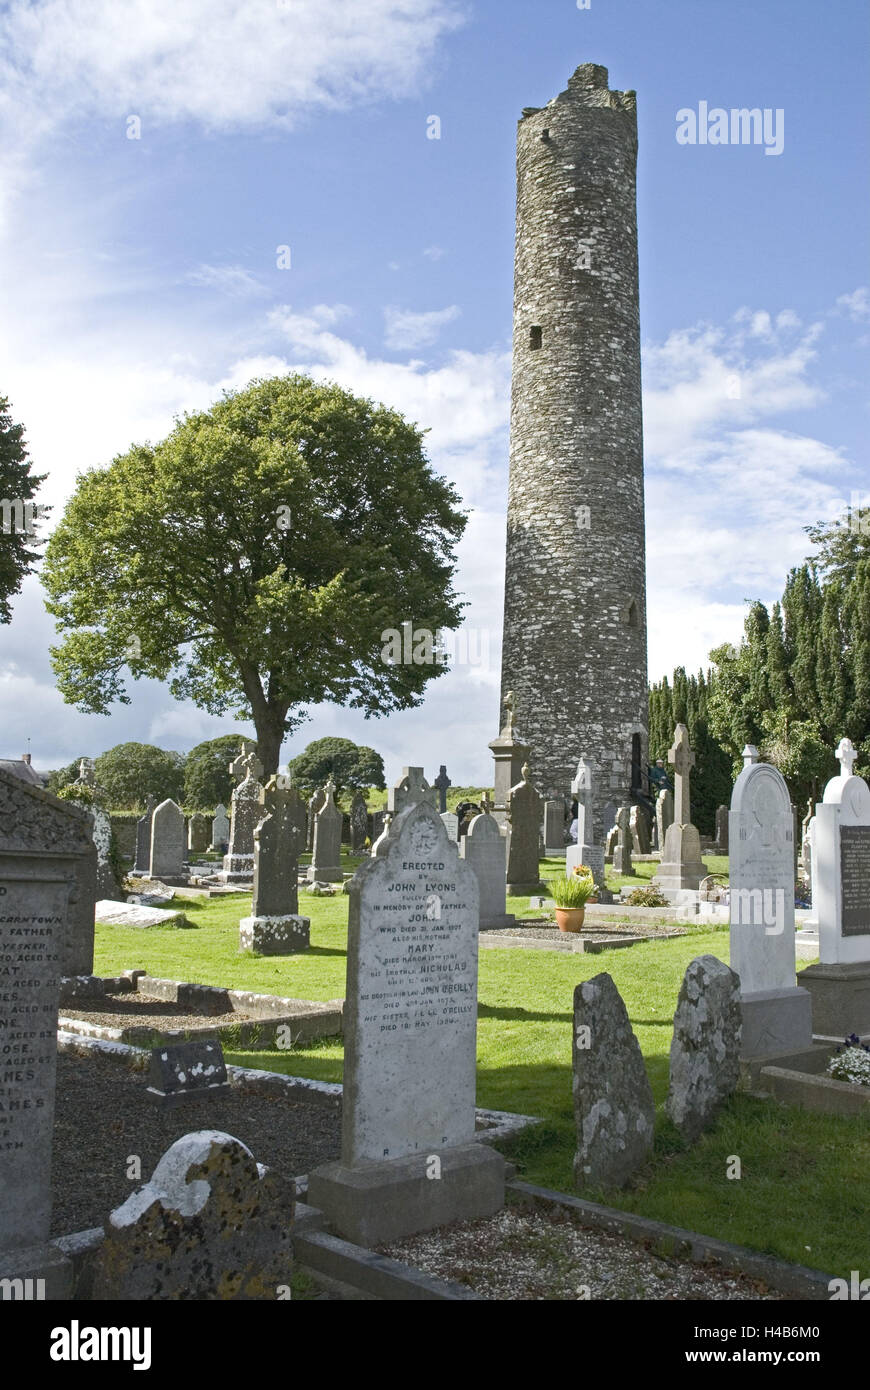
x,y
574,647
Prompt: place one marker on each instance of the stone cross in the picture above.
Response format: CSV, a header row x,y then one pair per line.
x,y
487,805
750,755
583,780
442,782
846,754
246,764
683,759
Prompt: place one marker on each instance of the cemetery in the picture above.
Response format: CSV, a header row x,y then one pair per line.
x,y
289,1018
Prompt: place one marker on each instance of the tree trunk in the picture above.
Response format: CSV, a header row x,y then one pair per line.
x,y
269,738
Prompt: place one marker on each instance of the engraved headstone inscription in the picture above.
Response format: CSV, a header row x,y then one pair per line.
x,y
410,1043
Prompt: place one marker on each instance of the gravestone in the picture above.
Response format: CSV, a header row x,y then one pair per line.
x,y
211,1224
639,827
664,815
451,825
41,833
681,867
410,1027
359,823
611,842
622,849
705,1048
805,859
614,1110
585,851
410,789
441,783
840,855
554,828
167,841
220,829
186,1071
510,754
197,833
46,855
101,830
484,849
325,864
315,803
722,829
776,1013
378,820
524,813
238,864
274,927
142,863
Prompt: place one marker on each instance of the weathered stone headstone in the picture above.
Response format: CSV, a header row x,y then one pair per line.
x,y
611,842
585,851
441,783
776,1013
722,829
524,813
167,841
451,825
554,828
681,867
210,1225
705,1048
315,804
639,827
622,849
197,833
613,1101
187,1071
664,815
239,858
274,927
325,864
484,849
41,838
220,829
39,833
410,789
510,754
142,863
840,856
378,820
410,1045
359,823
805,859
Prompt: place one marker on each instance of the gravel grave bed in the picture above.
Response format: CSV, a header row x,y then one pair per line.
x,y
102,1117
549,1255
141,1011
592,932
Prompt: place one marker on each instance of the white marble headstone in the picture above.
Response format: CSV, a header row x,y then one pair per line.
x,y
411,1011
840,858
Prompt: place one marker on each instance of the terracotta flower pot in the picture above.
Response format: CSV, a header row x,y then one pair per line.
x,y
570,918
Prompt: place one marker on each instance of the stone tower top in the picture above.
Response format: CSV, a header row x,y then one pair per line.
x,y
588,86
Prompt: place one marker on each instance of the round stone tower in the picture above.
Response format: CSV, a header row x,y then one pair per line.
x,y
574,651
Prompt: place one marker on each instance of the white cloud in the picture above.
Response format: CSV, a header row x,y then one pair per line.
x,y
406,330
856,304
219,63
434,253
233,280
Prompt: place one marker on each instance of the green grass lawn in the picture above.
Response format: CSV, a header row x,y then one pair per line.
x,y
804,1194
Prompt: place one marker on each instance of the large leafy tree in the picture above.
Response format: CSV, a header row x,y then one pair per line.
x,y
207,778
256,558
18,487
131,772
350,764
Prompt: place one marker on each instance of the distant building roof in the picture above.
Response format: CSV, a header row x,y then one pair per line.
x,y
24,770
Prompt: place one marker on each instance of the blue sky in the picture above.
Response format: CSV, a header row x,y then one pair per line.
x,y
138,278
